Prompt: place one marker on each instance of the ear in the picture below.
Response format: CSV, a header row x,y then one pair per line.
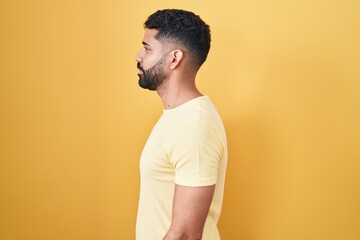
x,y
176,58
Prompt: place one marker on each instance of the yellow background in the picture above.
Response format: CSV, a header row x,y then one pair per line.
x,y
285,76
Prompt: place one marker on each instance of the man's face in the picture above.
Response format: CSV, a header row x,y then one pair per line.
x,y
151,61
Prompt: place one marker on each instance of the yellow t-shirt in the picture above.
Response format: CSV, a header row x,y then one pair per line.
x,y
187,146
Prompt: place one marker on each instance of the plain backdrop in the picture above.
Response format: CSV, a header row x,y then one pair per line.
x,y
285,76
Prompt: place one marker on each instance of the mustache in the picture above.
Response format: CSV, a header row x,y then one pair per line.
x,y
139,67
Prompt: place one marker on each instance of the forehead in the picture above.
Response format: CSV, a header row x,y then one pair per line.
x,y
149,38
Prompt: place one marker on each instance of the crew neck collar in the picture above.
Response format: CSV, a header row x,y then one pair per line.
x,y
185,104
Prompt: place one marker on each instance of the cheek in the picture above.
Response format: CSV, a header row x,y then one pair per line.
x,y
150,61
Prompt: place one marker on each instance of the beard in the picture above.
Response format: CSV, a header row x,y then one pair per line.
x,y
152,78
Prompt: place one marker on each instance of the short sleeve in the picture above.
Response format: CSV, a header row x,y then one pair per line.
x,y
197,154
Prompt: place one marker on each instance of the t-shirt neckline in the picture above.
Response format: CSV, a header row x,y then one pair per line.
x,y
185,104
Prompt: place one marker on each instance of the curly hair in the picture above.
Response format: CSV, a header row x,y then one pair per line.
x,y
183,28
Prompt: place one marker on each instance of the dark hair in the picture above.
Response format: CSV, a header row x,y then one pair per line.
x,y
184,28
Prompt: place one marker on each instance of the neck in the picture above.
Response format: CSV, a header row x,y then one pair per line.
x,y
177,91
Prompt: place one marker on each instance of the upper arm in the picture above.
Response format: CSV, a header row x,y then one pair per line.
x,y
196,158
190,209
197,154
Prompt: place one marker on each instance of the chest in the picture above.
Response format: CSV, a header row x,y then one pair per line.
x,y
155,160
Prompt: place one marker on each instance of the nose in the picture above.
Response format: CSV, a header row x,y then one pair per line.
x,y
138,56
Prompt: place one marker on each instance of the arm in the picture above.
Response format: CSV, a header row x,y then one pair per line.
x,y
190,209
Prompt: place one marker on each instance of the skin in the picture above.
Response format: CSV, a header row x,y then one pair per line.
x,y
190,204
190,209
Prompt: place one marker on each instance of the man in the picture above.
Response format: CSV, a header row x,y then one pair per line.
x,y
183,163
